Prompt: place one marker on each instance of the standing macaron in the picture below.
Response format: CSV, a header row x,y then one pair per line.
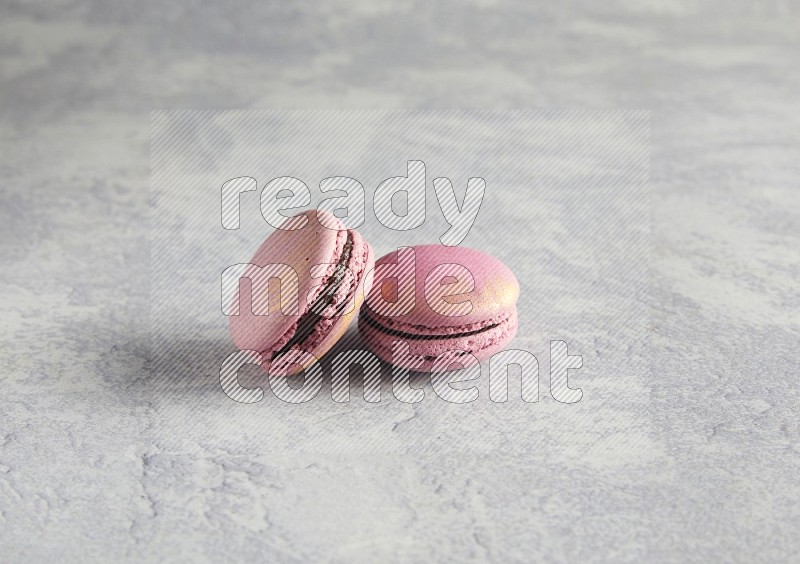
x,y
322,267
431,299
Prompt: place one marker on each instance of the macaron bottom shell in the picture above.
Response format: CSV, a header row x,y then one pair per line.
x,y
426,345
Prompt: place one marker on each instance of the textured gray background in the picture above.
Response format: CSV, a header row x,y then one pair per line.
x,y
703,463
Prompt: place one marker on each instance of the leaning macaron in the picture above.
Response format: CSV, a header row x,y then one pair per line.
x,y
430,300
323,271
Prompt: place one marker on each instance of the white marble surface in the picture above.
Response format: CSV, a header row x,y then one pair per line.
x,y
699,464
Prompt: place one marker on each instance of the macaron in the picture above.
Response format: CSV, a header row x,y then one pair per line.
x,y
436,302
323,272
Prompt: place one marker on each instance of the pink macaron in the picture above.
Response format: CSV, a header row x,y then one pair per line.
x,y
435,303
323,272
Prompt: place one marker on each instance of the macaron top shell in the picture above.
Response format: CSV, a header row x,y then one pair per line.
x,y
297,249
456,289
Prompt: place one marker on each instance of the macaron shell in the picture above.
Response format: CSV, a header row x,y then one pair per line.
x,y
495,292
299,249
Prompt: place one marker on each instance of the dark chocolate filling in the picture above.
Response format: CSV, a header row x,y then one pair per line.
x,y
308,321
413,336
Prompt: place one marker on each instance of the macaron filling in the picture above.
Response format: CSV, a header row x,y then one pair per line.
x,y
308,322
455,334
338,290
